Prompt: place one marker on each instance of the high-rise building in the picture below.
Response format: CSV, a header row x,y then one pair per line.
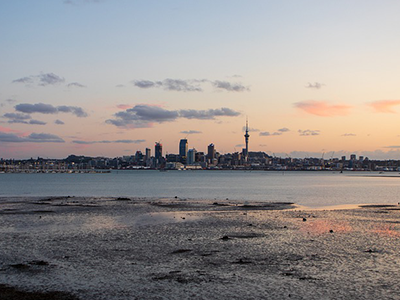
x,y
191,156
158,151
148,153
183,148
211,152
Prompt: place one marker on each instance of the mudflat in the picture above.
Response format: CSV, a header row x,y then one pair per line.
x,y
132,248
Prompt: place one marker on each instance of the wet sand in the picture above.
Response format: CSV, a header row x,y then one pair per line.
x,y
120,248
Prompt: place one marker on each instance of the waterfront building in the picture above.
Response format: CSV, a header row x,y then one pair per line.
x,y
191,156
183,148
148,153
211,152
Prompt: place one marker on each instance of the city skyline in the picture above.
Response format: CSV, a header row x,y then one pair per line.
x,y
100,78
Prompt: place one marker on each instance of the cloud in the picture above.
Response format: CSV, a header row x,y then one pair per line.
x,y
109,142
209,114
384,106
25,80
231,87
264,133
59,122
279,132
42,79
22,119
120,86
392,147
37,122
77,111
323,109
190,132
189,85
284,129
145,84
308,132
315,85
142,115
36,108
17,116
348,134
32,138
50,79
250,129
49,109
75,84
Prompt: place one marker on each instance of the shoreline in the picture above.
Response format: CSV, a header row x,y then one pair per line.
x,y
127,248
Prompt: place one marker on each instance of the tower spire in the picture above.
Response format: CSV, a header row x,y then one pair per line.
x,y
246,138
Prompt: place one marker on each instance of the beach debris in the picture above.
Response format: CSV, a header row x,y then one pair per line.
x,y
181,251
331,231
242,261
304,219
371,251
123,199
10,292
225,238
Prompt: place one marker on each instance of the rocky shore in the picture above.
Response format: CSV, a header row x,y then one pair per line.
x,y
131,248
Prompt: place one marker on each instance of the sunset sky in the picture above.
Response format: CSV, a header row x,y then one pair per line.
x,y
110,77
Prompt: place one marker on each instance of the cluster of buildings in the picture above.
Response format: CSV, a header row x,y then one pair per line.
x,y
191,159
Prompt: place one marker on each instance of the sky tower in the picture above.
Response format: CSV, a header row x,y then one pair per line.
x,y
246,137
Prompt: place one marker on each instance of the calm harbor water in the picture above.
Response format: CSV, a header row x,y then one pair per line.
x,y
312,189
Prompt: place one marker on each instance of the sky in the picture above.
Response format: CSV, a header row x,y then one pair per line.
x,y
110,77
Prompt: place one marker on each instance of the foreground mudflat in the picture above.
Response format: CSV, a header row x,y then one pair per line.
x,y
120,248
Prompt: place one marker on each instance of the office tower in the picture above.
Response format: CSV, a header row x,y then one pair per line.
x,y
191,156
211,152
183,148
158,151
148,153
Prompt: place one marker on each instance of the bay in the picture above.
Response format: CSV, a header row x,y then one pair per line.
x,y
311,189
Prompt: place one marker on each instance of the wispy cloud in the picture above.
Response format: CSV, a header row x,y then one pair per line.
x,y
109,142
315,85
348,134
276,133
22,119
191,132
209,114
323,109
284,129
231,87
308,132
75,84
50,109
32,138
59,122
143,115
267,133
392,147
43,79
384,106
250,129
190,85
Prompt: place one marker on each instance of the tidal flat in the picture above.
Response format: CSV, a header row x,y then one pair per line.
x,y
172,248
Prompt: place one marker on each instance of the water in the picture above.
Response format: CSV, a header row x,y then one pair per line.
x,y
312,189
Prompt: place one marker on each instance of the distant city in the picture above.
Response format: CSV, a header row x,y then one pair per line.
x,y
191,159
